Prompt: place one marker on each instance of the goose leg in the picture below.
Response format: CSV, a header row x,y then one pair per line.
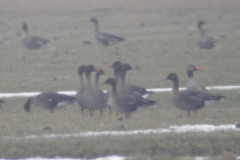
x,y
188,114
51,110
82,110
90,113
195,114
127,116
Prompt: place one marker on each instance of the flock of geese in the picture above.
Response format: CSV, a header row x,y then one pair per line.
x,y
106,39
123,97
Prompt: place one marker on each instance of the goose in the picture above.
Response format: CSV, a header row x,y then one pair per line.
x,y
194,86
116,69
80,93
124,103
92,99
32,42
188,101
101,96
103,38
129,88
204,41
49,100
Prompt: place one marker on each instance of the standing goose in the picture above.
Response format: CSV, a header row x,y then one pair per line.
x,y
99,72
32,42
204,41
49,100
99,94
182,99
103,38
124,103
116,69
91,98
129,88
80,93
194,86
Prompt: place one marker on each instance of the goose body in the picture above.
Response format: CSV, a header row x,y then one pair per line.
x,y
125,103
130,88
82,88
92,98
185,100
99,93
49,100
104,38
32,42
194,86
204,41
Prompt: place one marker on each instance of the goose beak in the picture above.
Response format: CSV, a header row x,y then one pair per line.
x,y
198,68
165,78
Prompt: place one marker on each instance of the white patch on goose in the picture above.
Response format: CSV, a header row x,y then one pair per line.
x,y
62,104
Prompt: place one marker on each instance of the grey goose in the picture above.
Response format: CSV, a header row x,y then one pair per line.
x,y
104,38
124,103
82,88
204,41
32,42
194,86
91,98
188,101
130,88
49,100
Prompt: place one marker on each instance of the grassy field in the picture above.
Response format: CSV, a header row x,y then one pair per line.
x,y
160,38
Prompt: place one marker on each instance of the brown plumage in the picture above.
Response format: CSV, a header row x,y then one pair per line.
x,y
49,100
101,96
92,99
32,42
129,88
80,93
194,86
124,103
204,41
183,99
103,38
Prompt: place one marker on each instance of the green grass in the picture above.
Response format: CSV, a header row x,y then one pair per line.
x,y
167,43
153,146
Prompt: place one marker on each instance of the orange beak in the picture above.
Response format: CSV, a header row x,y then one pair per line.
x,y
165,78
97,69
109,66
198,69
